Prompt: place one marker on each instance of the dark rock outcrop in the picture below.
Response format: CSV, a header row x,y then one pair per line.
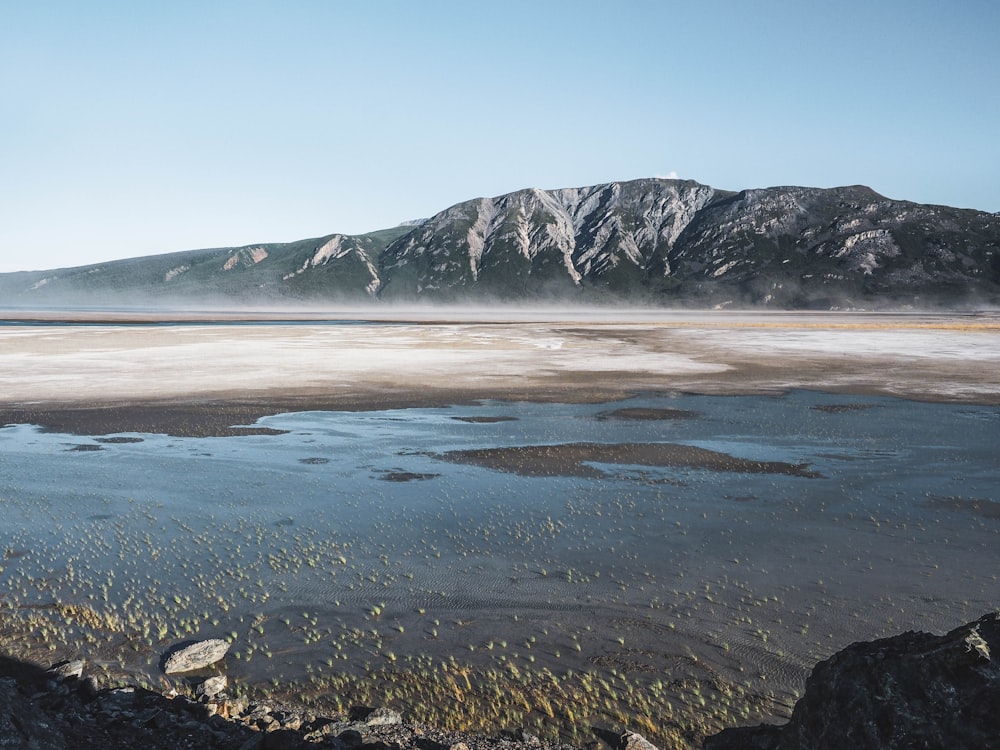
x,y
59,709
914,690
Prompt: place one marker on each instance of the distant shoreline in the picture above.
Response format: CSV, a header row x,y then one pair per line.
x,y
444,314
198,374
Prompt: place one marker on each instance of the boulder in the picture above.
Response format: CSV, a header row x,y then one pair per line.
x,y
196,656
635,741
912,690
66,670
211,687
381,717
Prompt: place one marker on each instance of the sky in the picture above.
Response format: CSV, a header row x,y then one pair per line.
x,y
136,128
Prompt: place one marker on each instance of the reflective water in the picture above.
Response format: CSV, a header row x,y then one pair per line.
x,y
349,541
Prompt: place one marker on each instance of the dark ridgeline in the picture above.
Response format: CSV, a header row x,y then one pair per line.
x,y
648,242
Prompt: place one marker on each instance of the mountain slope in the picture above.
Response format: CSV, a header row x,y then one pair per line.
x,y
661,242
615,236
341,265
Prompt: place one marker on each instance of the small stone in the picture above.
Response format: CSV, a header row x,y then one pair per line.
x,y
196,656
529,739
65,670
635,741
291,721
236,706
458,746
212,686
383,717
265,720
322,727
259,708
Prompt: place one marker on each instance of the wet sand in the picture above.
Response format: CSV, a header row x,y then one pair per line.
x,y
809,572
578,459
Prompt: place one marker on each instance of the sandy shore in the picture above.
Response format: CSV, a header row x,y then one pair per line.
x,y
202,373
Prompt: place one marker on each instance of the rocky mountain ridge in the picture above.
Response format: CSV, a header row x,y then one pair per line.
x,y
651,242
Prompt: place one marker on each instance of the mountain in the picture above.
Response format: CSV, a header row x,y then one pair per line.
x,y
651,241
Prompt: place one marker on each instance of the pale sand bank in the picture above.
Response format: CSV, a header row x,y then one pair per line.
x,y
430,359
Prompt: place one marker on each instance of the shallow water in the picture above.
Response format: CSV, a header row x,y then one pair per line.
x,y
349,543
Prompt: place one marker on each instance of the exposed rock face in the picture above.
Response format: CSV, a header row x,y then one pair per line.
x,y
619,234
658,242
196,656
913,690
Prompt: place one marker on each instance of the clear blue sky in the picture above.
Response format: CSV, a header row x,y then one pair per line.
x,y
132,128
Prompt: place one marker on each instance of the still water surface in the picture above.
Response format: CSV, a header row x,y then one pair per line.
x,y
350,541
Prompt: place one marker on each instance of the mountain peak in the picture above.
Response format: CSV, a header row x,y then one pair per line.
x,y
653,241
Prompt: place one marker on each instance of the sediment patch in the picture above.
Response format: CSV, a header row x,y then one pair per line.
x,y
647,414
577,459
485,420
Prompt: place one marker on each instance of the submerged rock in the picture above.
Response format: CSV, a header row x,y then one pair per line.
x,y
196,656
914,690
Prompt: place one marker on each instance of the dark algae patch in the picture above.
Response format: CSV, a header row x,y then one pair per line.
x,y
648,414
842,408
406,476
485,420
981,507
574,459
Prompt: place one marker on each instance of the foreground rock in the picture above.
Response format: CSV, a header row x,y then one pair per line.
x,y
49,710
913,690
196,656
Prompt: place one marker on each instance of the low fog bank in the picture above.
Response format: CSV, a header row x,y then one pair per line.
x,y
86,291
225,310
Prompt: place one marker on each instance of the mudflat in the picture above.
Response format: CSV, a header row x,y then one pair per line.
x,y
196,373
